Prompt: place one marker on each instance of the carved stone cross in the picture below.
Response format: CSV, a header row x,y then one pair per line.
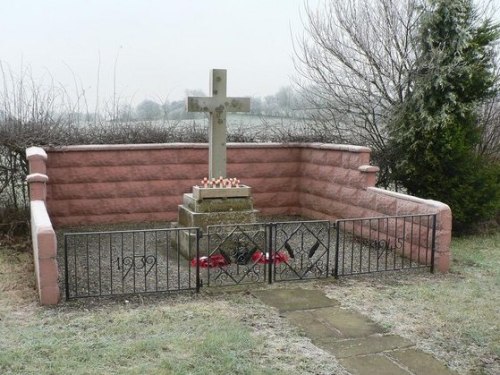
x,y
217,105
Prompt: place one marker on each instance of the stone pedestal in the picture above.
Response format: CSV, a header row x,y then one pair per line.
x,y
213,206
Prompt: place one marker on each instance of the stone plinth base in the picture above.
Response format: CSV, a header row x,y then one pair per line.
x,y
213,206
187,245
190,218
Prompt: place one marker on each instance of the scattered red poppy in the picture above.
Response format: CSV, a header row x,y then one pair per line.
x,y
262,258
216,260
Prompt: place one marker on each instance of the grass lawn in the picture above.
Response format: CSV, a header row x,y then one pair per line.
x,y
453,316
180,334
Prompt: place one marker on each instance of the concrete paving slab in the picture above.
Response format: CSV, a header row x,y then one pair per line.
x,y
420,363
360,344
373,364
368,345
294,299
349,324
307,322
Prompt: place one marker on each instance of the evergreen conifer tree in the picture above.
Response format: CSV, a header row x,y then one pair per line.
x,y
435,132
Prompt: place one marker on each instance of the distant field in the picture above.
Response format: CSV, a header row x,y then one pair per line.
x,y
262,127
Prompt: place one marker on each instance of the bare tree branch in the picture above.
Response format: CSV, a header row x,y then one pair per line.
x,y
355,62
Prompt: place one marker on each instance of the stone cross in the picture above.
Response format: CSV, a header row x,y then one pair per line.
x,y
217,105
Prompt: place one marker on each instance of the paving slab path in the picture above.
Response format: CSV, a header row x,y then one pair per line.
x,y
361,346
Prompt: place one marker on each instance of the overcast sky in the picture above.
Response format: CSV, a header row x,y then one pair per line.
x,y
161,47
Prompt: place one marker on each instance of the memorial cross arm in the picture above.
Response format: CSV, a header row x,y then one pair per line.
x,y
215,104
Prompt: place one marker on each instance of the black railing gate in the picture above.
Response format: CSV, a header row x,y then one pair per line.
x,y
256,253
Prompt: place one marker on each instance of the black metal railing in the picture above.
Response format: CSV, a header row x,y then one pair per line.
x,y
301,250
130,262
166,260
386,243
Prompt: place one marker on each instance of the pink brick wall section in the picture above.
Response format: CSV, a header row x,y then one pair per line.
x,y
134,183
42,234
45,254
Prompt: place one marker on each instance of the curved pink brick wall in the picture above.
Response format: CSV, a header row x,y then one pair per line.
x,y
135,183
131,183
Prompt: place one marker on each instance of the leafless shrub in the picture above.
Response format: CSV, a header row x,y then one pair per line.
x,y
28,116
356,59
299,132
242,135
42,114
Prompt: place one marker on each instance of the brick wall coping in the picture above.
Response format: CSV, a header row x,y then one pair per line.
x,y
160,146
438,205
36,152
37,177
41,217
368,168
